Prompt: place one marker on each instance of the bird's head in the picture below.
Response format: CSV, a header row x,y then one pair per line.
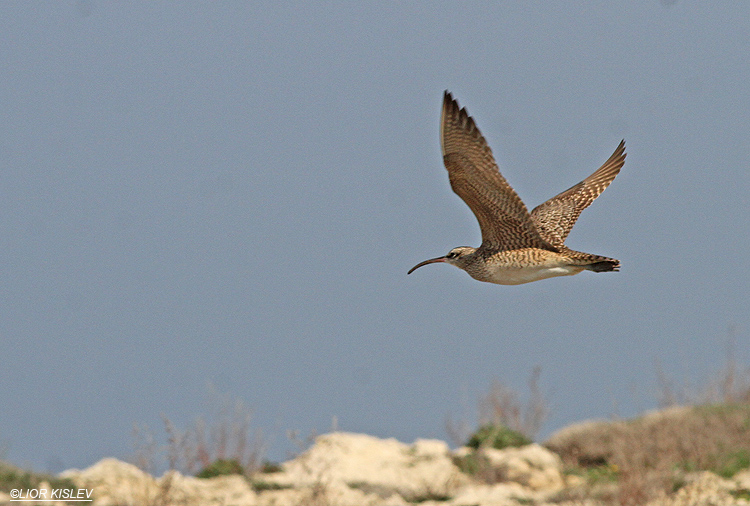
x,y
457,256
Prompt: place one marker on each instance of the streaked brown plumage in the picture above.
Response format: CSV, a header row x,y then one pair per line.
x,y
517,246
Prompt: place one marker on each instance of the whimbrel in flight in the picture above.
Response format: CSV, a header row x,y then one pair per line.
x,y
517,246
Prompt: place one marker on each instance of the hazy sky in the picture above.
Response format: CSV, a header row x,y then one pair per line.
x,y
228,195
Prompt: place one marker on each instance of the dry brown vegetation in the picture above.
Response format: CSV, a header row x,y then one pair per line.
x,y
618,462
651,454
630,462
226,436
503,406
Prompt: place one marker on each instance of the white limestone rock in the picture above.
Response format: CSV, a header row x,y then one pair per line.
x,y
117,483
383,467
531,466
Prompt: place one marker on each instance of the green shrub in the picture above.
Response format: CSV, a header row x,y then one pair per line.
x,y
472,464
497,436
270,467
261,486
733,463
221,467
13,477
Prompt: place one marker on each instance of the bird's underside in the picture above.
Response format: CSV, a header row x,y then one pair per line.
x,y
517,246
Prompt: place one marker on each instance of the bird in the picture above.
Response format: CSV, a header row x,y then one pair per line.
x,y
517,246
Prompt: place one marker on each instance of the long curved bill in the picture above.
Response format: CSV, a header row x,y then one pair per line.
x,y
430,261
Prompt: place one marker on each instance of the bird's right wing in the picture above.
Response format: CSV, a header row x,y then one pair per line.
x,y
474,176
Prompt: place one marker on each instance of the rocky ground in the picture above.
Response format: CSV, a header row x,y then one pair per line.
x,y
344,469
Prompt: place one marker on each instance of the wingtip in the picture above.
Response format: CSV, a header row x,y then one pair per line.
x,y
621,148
448,101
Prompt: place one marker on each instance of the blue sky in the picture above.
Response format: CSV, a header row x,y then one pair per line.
x,y
228,195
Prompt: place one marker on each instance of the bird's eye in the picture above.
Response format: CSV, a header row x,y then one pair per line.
x,y
452,254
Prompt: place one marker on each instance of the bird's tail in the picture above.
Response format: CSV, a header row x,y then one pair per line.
x,y
607,265
594,263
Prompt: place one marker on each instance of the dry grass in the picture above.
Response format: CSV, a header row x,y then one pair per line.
x,y
630,462
226,435
649,455
504,406
731,386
